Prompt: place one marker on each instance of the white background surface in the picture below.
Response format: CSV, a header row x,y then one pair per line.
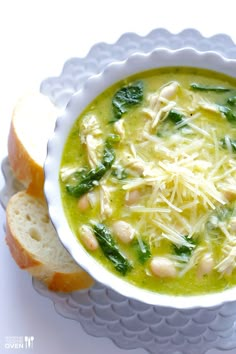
x,y
36,37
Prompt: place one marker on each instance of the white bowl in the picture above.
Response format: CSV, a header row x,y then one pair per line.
x,y
93,87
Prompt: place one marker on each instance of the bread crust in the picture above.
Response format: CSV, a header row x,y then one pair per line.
x,y
24,167
71,279
32,123
70,282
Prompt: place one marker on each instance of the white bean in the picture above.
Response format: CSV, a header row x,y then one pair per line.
x,y
205,265
83,203
138,166
88,238
163,267
124,231
132,197
229,195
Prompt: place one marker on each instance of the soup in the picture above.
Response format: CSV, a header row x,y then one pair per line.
x,y
148,180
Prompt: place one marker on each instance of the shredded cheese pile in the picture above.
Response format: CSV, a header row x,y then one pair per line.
x,y
188,179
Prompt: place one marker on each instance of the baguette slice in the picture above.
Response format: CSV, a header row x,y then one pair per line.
x,y
32,124
35,246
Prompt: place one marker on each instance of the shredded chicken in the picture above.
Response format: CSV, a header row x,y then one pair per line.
x,y
134,163
119,128
90,135
105,204
160,103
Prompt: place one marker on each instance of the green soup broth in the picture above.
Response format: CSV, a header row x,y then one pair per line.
x,y
174,153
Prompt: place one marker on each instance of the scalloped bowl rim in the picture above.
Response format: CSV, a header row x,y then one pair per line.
x,y
96,84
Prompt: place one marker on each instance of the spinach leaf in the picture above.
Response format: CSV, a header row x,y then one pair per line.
x,y
109,153
231,142
120,173
73,177
108,156
225,213
87,182
220,214
175,116
232,100
112,139
228,113
200,87
143,253
125,98
81,173
184,251
110,249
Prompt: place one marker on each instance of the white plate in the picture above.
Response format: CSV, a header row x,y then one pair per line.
x,y
101,311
